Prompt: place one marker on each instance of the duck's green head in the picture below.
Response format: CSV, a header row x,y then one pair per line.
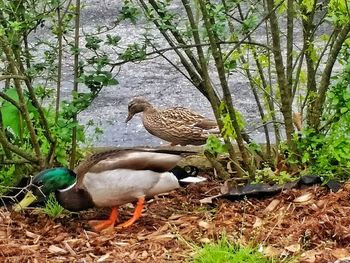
x,y
46,182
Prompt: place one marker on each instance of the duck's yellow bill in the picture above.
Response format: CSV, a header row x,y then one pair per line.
x,y
25,202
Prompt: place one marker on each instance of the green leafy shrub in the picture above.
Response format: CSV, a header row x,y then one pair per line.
x,y
266,175
327,152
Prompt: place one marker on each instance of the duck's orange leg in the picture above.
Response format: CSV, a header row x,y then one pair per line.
x,y
99,225
137,213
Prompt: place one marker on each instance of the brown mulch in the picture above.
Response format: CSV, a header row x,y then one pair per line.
x,y
311,223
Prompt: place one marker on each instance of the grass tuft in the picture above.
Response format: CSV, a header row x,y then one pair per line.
x,y
52,208
224,252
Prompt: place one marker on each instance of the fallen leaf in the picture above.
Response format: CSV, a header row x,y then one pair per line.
x,y
31,235
29,247
204,240
57,250
225,188
342,260
229,167
103,258
346,186
293,248
108,231
175,216
3,234
209,200
165,236
204,224
36,237
122,244
321,203
271,251
258,222
272,206
340,253
304,198
68,247
309,256
144,254
60,237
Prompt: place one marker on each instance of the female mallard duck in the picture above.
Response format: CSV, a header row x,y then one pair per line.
x,y
110,179
175,125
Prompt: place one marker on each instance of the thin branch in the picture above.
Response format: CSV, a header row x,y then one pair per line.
x,y
75,84
194,74
219,64
253,30
174,48
316,111
5,143
19,161
4,77
175,66
12,67
176,35
284,88
12,101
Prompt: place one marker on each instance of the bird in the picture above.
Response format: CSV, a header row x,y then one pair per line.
x,y
112,178
178,125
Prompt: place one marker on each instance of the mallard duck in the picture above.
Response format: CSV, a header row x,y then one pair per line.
x,y
110,179
176,125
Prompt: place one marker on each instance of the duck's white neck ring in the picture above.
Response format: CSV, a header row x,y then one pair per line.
x,y
68,188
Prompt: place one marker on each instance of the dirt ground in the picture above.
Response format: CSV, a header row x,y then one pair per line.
x,y
310,223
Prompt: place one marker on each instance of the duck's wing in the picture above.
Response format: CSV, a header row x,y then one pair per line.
x,y
184,115
207,124
180,114
137,160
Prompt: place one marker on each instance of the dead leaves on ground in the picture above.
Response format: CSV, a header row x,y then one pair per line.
x,y
311,223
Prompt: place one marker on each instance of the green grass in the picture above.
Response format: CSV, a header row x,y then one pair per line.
x,y
52,208
225,252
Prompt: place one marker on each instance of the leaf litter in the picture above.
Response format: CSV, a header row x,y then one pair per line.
x,y
311,223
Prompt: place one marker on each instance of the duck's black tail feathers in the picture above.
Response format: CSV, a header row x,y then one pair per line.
x,y
188,174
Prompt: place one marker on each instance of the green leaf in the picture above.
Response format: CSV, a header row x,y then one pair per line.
x,y
305,158
343,110
214,145
129,11
112,40
308,5
10,115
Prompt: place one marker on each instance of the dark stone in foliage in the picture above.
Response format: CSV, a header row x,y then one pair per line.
x,y
309,180
334,185
263,190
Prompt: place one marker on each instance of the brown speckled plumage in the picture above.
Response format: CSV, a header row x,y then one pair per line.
x,y
176,125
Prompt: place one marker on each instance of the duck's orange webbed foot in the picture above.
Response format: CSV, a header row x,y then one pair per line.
x,y
137,213
99,225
